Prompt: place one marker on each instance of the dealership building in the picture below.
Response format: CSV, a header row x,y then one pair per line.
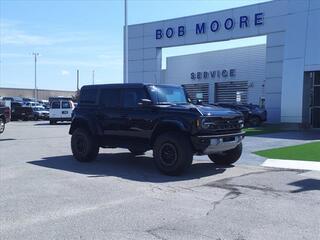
x,y
283,75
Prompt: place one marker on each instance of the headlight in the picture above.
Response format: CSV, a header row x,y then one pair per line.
x,y
241,123
205,124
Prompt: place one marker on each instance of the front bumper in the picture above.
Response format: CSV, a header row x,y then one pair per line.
x,y
205,145
44,116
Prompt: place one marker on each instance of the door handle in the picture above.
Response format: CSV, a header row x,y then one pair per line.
x,y
124,116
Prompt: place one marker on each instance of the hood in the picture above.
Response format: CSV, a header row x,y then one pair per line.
x,y
209,110
217,111
43,112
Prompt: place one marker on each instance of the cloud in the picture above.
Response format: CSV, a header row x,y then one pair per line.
x,y
65,73
12,34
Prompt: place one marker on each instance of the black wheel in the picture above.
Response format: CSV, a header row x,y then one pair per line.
x,y
36,118
136,152
2,125
172,153
227,157
255,121
52,122
84,146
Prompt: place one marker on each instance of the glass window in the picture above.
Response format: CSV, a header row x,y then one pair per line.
x,y
66,104
316,96
55,105
88,96
131,97
317,78
168,94
110,98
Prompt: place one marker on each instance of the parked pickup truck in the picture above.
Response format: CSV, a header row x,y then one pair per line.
x,y
142,117
20,112
5,116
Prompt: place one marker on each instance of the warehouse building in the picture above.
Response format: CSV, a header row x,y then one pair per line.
x,y
43,94
283,75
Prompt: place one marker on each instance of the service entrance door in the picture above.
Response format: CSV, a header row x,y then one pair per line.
x,y
231,92
315,100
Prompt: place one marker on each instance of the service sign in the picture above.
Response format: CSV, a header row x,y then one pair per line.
x,y
214,74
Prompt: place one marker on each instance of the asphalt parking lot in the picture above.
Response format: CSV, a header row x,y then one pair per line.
x,y
46,194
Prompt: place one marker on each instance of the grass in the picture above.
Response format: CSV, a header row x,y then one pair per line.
x,y
304,152
263,130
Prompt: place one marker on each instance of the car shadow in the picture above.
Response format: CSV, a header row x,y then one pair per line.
x,y
7,139
126,166
306,185
48,124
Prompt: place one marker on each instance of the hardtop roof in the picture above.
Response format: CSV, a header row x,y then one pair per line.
x,y
124,85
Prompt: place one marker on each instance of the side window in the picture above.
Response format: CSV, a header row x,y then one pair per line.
x,y
55,105
110,98
66,104
88,96
131,97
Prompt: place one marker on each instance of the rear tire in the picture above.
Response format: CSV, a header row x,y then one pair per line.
x,y
227,157
172,153
255,122
2,125
84,146
52,122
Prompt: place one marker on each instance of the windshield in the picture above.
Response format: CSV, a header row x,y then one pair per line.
x,y
168,95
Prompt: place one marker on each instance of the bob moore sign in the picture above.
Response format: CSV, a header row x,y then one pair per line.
x,y
213,74
214,26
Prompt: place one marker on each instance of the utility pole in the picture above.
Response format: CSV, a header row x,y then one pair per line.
x,y
77,80
35,75
93,77
125,65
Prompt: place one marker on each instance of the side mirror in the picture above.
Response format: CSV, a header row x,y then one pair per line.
x,y
199,102
145,102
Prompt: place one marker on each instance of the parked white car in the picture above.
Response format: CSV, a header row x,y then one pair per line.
x,y
60,110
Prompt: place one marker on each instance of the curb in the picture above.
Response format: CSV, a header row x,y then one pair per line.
x,y
292,164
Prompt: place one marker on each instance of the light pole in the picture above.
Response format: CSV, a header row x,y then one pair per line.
x,y
125,65
78,80
35,74
93,77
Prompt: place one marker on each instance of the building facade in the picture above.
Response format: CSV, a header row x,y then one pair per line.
x,y
43,94
292,57
222,76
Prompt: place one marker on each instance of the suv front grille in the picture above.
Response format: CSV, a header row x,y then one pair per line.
x,y
220,124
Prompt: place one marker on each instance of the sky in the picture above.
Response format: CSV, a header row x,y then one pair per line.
x,y
86,35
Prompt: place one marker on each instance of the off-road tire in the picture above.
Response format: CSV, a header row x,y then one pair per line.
x,y
227,157
169,144
84,146
254,121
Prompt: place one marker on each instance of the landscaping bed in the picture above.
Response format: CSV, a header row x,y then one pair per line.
x,y
304,152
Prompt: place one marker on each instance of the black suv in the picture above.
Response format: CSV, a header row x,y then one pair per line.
x,y
254,116
141,117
